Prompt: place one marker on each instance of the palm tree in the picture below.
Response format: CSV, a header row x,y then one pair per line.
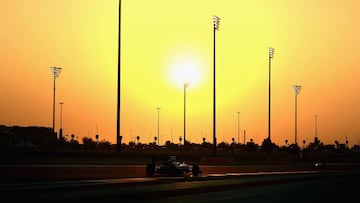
x,y
138,138
204,139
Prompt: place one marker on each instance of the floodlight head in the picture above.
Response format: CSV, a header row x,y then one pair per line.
x,y
216,21
271,52
297,89
55,71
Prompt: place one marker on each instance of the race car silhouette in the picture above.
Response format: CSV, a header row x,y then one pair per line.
x,y
171,167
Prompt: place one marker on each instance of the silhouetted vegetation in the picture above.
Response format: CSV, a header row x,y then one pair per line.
x,y
42,139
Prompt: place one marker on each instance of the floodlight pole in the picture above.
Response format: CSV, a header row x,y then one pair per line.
x,y
316,116
297,89
271,55
55,72
53,124
216,21
185,86
158,124
61,130
239,127
118,136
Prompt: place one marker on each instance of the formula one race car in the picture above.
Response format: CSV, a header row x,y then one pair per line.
x,y
171,167
319,165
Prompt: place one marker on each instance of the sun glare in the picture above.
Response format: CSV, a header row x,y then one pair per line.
x,y
185,70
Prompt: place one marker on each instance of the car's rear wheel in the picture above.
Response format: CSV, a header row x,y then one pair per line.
x,y
196,170
172,170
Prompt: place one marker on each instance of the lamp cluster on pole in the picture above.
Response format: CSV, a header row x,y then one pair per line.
x,y
55,71
297,89
271,52
216,21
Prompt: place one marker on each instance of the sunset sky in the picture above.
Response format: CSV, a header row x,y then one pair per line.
x,y
316,42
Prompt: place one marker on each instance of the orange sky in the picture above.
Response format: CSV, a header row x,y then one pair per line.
x,y
317,46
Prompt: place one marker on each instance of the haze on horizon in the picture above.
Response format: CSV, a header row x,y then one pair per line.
x,y
316,44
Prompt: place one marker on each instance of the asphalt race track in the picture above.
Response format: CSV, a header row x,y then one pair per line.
x,y
271,186
16,173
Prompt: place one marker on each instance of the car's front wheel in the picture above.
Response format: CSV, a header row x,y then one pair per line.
x,y
150,169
